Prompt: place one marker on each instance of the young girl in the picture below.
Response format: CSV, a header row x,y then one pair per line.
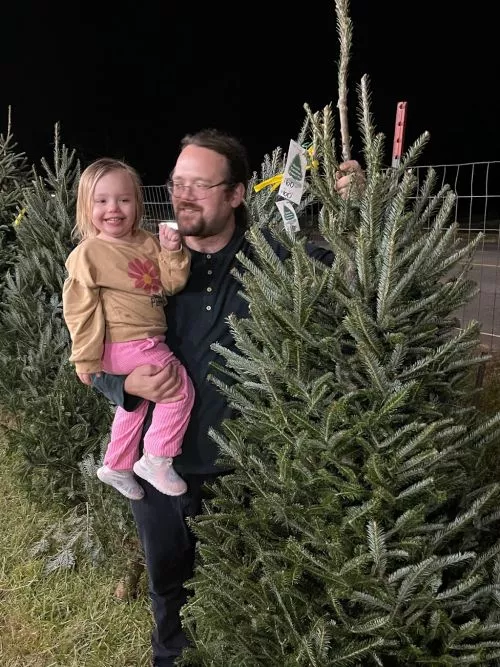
x,y
113,305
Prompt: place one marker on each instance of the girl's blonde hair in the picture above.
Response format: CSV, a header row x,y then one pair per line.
x,y
84,227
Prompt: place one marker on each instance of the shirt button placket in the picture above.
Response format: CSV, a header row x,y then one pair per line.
x,y
208,307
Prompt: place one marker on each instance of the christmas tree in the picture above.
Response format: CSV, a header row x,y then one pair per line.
x,y
355,528
57,426
59,422
14,175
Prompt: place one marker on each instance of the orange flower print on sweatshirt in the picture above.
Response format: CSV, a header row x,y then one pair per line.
x,y
145,275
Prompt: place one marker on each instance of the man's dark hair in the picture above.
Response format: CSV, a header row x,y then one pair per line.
x,y
238,169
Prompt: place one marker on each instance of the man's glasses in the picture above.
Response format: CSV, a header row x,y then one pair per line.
x,y
196,190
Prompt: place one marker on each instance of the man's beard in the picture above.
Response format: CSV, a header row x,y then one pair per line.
x,y
190,220
192,223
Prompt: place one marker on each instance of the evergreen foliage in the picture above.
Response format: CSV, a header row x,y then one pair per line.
x,y
59,422
54,432
14,177
57,426
354,529
33,332
91,531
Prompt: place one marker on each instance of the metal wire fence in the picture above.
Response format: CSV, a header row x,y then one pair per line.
x,y
157,207
477,209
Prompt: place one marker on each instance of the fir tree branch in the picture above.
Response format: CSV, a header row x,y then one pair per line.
x,y
344,29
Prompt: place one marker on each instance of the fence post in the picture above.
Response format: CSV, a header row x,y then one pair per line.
x,y
399,133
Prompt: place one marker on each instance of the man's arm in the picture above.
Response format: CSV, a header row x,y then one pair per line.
x,y
321,254
113,387
150,383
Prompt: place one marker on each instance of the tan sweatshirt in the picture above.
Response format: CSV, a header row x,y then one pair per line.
x,y
115,291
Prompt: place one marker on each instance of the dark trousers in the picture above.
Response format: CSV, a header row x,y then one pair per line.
x,y
169,548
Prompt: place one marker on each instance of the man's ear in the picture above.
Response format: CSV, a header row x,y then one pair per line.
x,y
237,195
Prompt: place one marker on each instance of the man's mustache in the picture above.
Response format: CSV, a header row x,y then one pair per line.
x,y
187,205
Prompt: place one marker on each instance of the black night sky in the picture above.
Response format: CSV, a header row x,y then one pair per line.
x,y
129,79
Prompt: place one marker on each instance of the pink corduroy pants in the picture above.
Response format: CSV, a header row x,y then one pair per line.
x,y
169,421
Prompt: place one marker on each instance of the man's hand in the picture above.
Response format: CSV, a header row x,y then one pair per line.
x,y
153,383
350,177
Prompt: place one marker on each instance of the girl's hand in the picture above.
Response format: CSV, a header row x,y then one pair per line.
x,y
86,378
170,239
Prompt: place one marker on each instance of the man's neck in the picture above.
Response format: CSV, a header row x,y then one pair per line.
x,y
210,244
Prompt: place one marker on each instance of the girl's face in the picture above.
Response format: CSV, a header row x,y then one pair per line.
x,y
114,206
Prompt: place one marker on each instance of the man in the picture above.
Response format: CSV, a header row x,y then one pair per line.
x,y
208,187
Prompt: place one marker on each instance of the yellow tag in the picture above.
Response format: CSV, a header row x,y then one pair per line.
x,y
275,181
19,217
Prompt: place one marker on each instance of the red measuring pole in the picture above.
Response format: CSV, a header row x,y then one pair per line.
x,y
399,133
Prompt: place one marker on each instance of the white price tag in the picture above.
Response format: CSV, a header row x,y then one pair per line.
x,y
288,216
292,185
